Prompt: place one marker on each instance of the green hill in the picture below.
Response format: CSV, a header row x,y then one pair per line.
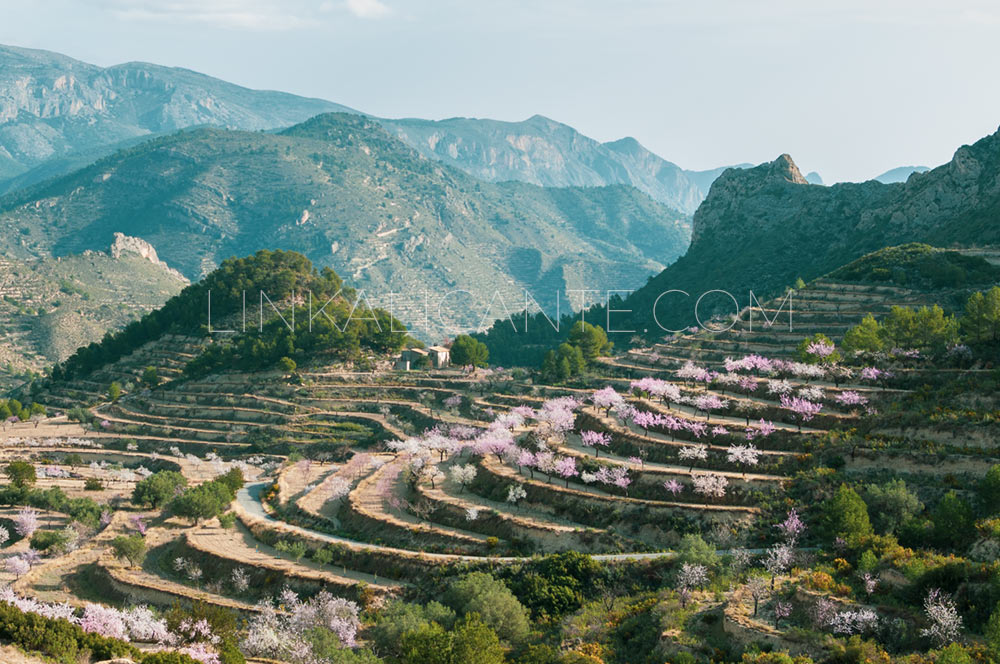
x,y
919,265
232,293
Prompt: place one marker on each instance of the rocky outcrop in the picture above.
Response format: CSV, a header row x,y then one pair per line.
x,y
124,245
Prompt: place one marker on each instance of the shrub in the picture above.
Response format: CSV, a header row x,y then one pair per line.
x,y
21,473
820,581
480,593
93,484
43,540
323,556
157,489
296,548
130,547
209,499
60,639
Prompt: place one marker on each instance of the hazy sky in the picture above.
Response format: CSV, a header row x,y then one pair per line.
x,y
848,88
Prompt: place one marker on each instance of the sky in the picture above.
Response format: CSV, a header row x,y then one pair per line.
x,y
849,88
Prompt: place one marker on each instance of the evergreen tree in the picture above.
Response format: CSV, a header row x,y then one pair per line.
x,y
988,492
466,351
590,339
864,337
846,516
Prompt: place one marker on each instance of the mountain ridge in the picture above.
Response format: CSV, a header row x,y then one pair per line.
x,y
536,150
58,114
52,105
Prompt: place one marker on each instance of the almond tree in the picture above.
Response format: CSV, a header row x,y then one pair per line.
x,y
691,372
17,566
607,398
777,560
525,459
565,467
781,610
463,475
667,392
707,403
240,580
673,486
545,462
338,488
690,577
747,384
710,485
850,398
743,455
595,439
757,587
26,522
792,527
515,494
804,409
693,453
496,442
945,622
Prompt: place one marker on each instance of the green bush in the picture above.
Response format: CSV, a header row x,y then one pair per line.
x,y
43,540
157,489
479,593
209,499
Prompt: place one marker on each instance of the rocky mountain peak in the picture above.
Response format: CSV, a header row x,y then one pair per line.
x,y
784,167
125,244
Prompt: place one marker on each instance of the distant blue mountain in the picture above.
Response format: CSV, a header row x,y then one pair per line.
x,y
900,174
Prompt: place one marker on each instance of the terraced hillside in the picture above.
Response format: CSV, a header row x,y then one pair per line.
x,y
378,486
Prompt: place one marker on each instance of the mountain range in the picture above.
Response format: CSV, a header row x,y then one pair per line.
x,y
58,114
53,107
343,191
900,174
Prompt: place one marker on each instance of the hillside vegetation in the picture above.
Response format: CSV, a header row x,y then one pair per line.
x,y
920,265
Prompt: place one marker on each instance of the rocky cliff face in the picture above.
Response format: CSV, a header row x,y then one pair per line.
x,y
52,106
548,153
124,245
